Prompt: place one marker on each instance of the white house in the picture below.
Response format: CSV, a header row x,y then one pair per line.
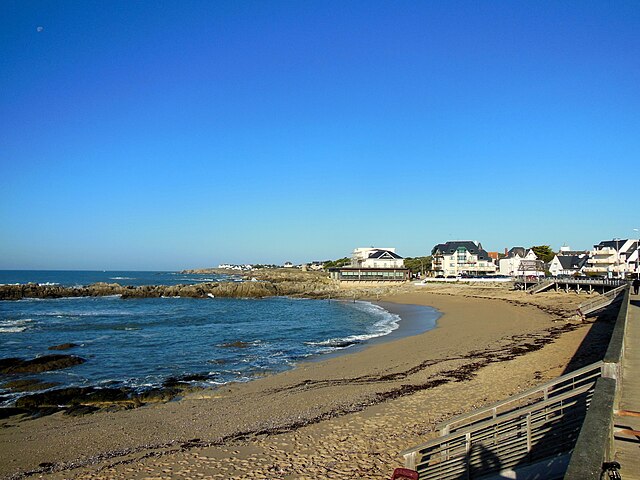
x,y
376,258
563,264
463,257
373,265
520,261
613,258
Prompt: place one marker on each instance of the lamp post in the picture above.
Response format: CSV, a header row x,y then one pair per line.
x,y
637,254
617,256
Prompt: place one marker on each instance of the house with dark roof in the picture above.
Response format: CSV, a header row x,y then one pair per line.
x,y
462,257
614,258
371,264
572,264
521,261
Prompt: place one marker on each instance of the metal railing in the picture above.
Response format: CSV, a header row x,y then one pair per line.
x,y
515,439
558,386
602,301
543,285
595,445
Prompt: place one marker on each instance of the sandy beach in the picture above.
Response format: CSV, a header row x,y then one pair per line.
x,y
347,416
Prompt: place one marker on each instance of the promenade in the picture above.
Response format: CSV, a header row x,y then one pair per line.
x,y
627,417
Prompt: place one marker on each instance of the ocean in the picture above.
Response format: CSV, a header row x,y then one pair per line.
x,y
140,343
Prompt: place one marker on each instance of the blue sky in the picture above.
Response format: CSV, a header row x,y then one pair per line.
x,y
169,135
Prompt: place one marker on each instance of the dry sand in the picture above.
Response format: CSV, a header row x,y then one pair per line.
x,y
344,417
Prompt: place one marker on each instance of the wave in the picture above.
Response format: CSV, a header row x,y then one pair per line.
x,y
15,326
12,329
387,323
122,278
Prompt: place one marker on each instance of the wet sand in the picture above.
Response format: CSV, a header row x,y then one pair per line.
x,y
344,417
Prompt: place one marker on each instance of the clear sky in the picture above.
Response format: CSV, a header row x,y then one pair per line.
x,y
176,134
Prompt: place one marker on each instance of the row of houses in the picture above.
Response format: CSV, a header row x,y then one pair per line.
x,y
616,258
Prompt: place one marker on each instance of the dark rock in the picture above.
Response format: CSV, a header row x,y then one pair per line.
x,y
122,406
45,363
157,395
195,377
63,346
106,395
80,410
43,412
173,382
75,396
28,385
11,411
54,398
343,343
8,363
236,344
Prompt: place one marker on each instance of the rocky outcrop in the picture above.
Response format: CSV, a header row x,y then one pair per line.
x,y
27,385
251,289
35,290
78,401
258,284
45,363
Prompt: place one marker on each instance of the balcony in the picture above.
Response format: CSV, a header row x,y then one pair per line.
x,y
603,260
603,251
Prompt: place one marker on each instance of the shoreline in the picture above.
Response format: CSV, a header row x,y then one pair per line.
x,y
412,320
409,319
379,387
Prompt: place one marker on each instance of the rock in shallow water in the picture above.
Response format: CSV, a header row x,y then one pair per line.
x,y
45,363
63,346
27,385
236,344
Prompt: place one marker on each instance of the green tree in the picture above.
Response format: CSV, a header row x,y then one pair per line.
x,y
543,252
341,262
418,264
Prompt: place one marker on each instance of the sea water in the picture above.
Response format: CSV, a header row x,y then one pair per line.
x,y
71,278
142,342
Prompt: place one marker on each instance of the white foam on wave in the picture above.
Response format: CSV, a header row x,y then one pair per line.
x,y
15,326
12,329
387,322
48,284
121,278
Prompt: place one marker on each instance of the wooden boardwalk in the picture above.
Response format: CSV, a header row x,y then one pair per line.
x,y
627,418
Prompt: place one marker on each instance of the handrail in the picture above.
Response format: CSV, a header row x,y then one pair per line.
x,y
593,446
602,301
545,389
615,352
543,285
545,429
607,282
501,419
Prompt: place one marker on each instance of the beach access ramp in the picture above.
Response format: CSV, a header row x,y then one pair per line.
x,y
521,436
